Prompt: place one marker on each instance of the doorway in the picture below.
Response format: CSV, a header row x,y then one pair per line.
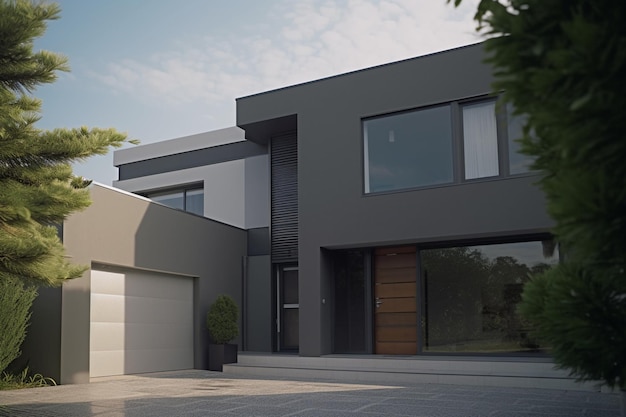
x,y
287,308
395,300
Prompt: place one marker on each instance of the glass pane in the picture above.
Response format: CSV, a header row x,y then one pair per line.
x,y
194,201
472,292
174,200
518,162
480,140
408,150
291,325
290,287
350,303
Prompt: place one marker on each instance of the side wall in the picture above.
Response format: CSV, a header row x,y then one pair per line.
x,y
124,230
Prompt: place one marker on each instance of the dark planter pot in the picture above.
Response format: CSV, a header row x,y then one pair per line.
x,y
221,354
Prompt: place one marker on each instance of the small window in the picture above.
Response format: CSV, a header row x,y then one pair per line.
x,y
190,200
194,201
408,150
172,199
480,140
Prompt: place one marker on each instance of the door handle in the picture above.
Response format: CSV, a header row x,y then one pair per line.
x,y
378,302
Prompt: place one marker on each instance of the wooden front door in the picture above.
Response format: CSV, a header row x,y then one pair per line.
x,y
395,302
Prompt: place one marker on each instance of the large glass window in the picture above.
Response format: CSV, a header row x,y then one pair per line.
x,y
191,200
418,148
408,150
471,295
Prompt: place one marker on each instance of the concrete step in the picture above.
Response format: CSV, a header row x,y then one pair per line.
x,y
508,372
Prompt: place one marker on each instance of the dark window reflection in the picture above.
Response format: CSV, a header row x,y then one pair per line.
x,y
472,293
408,150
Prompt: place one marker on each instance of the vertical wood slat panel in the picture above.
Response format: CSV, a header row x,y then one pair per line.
x,y
395,291
284,198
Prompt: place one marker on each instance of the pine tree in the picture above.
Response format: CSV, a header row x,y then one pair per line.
x,y
562,63
37,187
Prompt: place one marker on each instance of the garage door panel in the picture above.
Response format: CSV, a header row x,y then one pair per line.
x,y
157,336
107,362
140,322
111,308
151,310
107,282
143,360
107,336
157,286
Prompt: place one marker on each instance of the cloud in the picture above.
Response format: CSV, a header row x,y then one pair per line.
x,y
298,42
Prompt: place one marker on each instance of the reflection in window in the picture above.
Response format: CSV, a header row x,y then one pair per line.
x,y
518,162
190,200
194,201
174,200
408,150
472,293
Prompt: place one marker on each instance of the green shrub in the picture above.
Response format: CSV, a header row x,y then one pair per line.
x,y
16,298
580,312
222,319
24,380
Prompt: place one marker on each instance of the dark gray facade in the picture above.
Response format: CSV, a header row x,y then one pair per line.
x,y
334,252
335,212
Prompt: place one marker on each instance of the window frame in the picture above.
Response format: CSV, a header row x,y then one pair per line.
x,y
178,189
458,155
496,240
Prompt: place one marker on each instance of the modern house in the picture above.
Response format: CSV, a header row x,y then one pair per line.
x,y
380,223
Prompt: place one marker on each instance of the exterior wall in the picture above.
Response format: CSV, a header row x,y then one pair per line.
x,y
333,210
224,198
41,349
124,230
258,326
178,145
236,191
257,205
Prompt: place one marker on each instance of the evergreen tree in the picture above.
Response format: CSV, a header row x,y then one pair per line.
x,y
37,187
16,299
563,64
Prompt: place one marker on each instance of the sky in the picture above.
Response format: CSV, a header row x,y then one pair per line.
x,y
162,69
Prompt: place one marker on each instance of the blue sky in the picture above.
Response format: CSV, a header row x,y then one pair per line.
x,y
160,69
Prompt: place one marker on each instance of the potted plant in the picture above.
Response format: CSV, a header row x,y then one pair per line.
x,y
222,324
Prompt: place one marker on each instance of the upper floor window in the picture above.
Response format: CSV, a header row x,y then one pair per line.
x,y
408,150
417,148
187,199
480,140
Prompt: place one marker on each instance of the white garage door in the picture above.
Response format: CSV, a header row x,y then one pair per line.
x,y
140,322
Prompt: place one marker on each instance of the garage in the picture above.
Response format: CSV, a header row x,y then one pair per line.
x,y
140,322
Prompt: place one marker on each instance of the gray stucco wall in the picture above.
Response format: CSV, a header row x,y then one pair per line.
x,y
334,212
258,305
124,230
41,349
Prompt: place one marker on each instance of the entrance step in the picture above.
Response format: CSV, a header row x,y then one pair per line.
x,y
481,371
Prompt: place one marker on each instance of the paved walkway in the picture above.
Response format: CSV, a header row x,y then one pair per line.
x,y
204,393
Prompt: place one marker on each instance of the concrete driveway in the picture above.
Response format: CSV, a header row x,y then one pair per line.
x,y
204,393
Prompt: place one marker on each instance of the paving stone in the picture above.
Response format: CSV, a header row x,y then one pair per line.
x,y
202,393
